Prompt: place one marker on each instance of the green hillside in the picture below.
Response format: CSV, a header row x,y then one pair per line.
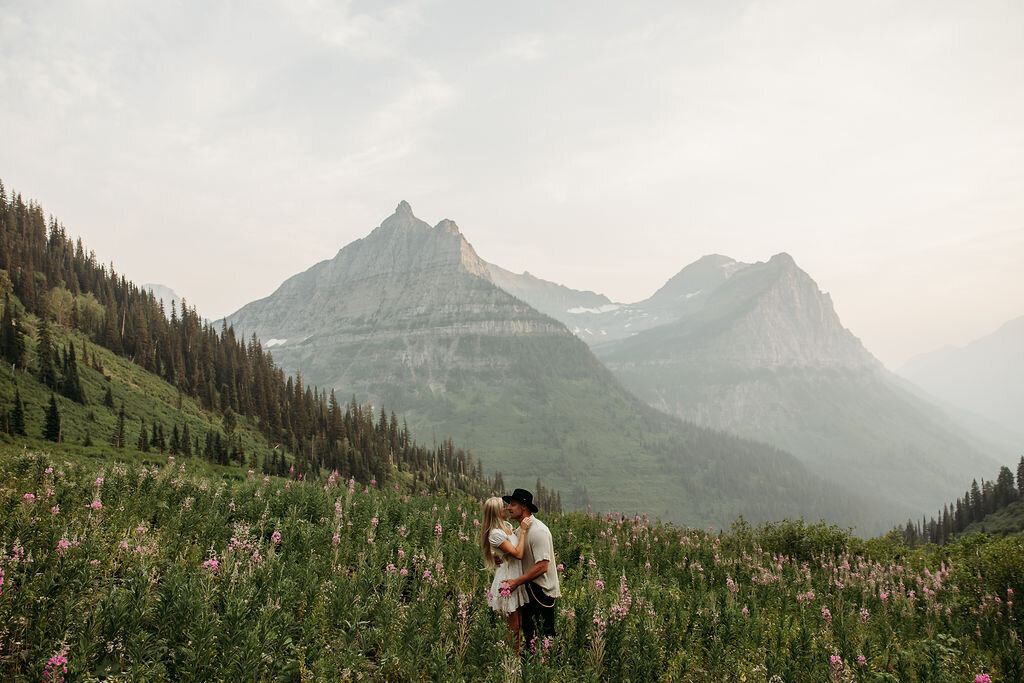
x,y
149,402
550,409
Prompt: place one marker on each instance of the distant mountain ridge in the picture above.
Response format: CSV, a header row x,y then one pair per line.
x,y
595,319
411,317
758,350
985,377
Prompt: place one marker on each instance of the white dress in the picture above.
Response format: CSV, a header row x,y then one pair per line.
x,y
510,568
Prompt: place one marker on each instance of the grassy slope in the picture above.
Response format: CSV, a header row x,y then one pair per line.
x,y
1006,522
143,394
557,413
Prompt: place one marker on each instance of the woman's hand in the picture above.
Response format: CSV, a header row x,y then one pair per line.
x,y
525,524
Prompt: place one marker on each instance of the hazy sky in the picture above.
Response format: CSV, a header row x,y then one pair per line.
x,y
218,148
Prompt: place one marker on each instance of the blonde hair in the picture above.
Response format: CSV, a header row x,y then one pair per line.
x,y
494,518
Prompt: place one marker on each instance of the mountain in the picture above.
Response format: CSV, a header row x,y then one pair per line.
x,y
596,320
163,293
986,377
757,350
411,317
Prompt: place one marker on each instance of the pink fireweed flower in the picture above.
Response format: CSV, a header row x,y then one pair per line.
x,y
599,584
212,565
826,614
437,529
404,572
56,667
275,538
336,540
505,590
837,663
982,678
29,497
95,505
865,616
99,481
55,510
862,660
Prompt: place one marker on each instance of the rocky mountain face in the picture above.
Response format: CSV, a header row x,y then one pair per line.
x,y
410,317
985,377
758,350
377,313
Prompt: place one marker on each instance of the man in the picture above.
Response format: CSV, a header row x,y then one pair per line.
x,y
540,575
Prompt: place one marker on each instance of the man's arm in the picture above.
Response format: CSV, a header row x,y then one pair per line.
x,y
534,571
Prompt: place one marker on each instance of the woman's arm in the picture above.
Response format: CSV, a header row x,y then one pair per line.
x,y
516,550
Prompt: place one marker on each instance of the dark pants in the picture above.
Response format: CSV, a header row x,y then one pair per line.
x,y
538,615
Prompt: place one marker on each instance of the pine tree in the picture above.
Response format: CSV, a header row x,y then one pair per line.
x,y
44,352
1020,477
117,441
87,441
186,441
71,385
108,398
51,430
12,344
143,442
1005,492
18,415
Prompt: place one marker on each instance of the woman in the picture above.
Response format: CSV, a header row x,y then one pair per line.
x,y
503,550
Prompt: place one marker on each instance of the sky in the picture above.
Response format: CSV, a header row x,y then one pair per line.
x,y
218,148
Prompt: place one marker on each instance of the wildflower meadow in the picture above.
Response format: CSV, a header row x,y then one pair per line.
x,y
164,572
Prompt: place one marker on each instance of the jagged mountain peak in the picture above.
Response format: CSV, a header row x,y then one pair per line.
x,y
403,217
448,226
696,280
783,259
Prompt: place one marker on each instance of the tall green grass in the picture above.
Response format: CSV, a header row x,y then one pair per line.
x,y
164,572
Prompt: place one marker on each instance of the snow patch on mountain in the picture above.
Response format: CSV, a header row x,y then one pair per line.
x,y
607,308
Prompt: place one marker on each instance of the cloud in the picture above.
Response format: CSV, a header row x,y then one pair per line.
x,y
527,47
366,35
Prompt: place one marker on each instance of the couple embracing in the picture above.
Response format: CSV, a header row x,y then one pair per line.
x,y
526,577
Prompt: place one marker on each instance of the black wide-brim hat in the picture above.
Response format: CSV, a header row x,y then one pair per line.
x,y
521,496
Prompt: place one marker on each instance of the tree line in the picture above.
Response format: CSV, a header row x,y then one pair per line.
x,y
46,275
979,501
